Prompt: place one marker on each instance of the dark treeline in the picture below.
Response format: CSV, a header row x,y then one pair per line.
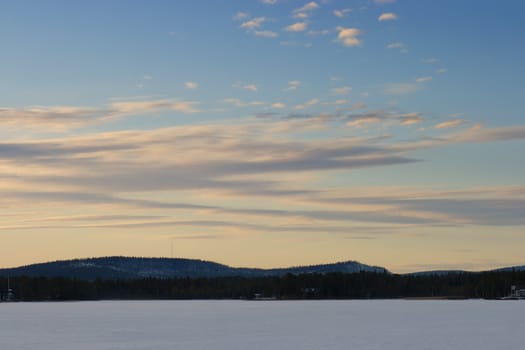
x,y
364,285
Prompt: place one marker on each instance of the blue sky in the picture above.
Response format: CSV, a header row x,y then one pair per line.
x,y
264,133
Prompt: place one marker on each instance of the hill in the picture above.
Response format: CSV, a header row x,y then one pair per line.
x,y
132,268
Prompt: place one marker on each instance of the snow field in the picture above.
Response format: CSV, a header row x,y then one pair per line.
x,y
230,325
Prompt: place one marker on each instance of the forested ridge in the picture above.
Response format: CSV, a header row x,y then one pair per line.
x,y
362,285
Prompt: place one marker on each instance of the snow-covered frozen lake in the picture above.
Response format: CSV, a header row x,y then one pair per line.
x,y
191,325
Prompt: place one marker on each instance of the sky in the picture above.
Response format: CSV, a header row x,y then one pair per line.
x,y
264,133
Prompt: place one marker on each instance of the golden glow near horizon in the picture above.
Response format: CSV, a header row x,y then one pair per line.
x,y
279,134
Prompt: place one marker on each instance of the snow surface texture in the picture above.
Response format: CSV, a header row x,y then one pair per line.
x,y
230,325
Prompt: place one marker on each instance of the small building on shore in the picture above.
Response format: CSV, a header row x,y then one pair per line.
x,y
517,292
8,294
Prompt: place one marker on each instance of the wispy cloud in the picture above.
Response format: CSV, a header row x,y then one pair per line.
x,y
396,45
493,207
479,133
135,107
342,13
55,118
319,32
191,85
300,15
239,16
411,118
250,87
266,33
240,103
297,27
278,105
308,104
312,5
336,102
306,45
103,162
253,23
363,121
400,88
449,124
343,90
64,118
293,85
430,60
358,106
226,163
385,118
423,79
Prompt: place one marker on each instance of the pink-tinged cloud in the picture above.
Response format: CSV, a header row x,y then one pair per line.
x,y
308,7
388,16
349,36
450,124
297,27
253,23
